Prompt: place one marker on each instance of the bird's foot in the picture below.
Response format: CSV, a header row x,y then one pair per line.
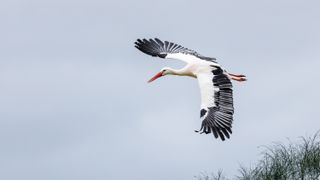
x,y
240,79
237,77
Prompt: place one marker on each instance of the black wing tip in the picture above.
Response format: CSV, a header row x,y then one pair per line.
x,y
222,133
218,132
157,39
140,40
152,47
158,47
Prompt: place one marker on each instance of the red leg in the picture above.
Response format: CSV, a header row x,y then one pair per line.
x,y
237,75
238,79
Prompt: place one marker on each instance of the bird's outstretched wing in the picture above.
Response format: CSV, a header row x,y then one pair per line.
x,y
169,50
216,103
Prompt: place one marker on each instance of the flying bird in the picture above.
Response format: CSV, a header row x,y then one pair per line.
x,y
214,81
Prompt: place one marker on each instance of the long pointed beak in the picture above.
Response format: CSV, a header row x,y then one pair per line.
x,y
155,77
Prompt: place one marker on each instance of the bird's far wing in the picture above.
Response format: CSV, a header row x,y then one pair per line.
x,y
216,103
169,50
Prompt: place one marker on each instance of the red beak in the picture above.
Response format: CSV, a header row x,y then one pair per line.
x,y
155,77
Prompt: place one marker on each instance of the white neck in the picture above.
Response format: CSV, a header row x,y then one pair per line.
x,y
181,72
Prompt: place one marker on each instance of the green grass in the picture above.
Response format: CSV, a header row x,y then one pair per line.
x,y
300,160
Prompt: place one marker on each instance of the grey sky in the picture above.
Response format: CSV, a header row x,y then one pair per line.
x,y
74,102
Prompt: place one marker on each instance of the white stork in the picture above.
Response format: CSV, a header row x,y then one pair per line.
x,y
215,83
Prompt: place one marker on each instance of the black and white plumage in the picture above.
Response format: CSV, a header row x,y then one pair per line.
x,y
161,49
215,83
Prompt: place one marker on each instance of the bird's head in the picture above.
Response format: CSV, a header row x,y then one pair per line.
x,y
163,72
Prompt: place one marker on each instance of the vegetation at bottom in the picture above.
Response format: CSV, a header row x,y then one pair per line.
x,y
280,161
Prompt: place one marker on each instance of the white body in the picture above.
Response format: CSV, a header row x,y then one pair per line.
x,y
200,69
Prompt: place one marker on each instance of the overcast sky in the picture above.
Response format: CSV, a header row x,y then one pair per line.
x,y
74,102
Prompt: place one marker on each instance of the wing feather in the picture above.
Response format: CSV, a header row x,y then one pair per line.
x,y
216,103
156,47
